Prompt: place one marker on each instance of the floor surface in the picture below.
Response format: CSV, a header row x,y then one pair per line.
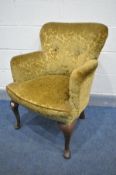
x,y
36,148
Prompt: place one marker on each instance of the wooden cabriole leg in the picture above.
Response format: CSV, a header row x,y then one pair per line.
x,y
82,115
14,107
67,131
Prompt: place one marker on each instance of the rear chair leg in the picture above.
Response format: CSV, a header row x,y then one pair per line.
x,y
67,131
14,107
82,115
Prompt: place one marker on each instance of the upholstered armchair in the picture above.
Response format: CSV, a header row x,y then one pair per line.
x,y
56,81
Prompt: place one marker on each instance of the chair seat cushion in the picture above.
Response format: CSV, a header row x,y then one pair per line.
x,y
48,95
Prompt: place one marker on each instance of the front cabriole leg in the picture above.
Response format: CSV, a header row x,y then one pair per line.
x,y
67,131
14,107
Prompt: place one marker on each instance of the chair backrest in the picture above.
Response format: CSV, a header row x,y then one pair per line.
x,y
69,45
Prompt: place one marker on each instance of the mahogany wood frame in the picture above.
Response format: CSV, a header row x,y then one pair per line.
x,y
66,129
14,106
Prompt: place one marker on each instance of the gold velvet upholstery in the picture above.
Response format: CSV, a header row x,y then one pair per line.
x,y
57,80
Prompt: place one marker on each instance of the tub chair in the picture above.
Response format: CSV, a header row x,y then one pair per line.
x,y
56,81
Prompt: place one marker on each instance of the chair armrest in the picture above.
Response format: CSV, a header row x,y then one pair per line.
x,y
28,66
79,86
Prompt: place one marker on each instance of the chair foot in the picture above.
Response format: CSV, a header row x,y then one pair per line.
x,y
67,131
17,126
14,107
82,115
67,154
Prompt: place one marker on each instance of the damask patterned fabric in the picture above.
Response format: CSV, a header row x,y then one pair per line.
x,y
65,66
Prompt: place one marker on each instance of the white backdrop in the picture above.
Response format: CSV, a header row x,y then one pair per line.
x,y
21,20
